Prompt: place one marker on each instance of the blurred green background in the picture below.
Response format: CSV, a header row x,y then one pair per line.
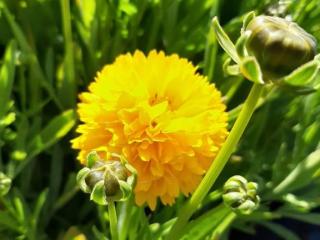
x,y
52,49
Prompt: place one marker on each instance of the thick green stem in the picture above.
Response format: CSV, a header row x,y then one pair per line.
x,y
113,220
124,218
218,164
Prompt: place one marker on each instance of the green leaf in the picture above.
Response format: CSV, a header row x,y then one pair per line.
x,y
301,175
163,229
36,212
87,10
54,131
248,17
98,234
283,232
305,76
312,218
127,7
70,189
297,203
250,68
225,41
205,224
8,221
28,51
7,77
22,210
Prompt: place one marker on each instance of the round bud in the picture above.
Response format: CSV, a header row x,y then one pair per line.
x,y
279,45
106,180
240,195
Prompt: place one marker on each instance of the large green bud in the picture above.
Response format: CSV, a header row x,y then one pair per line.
x,y
272,50
280,46
240,195
106,180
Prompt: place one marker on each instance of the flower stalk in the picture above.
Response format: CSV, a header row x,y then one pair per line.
x,y
113,220
219,162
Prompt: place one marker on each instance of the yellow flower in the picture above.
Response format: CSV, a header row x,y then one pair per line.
x,y
167,120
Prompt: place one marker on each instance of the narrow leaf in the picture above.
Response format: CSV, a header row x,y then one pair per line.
x,y
7,76
248,17
8,221
283,232
225,41
312,218
205,224
305,75
301,175
55,130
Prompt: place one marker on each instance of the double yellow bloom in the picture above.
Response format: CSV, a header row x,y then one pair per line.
x,y
168,121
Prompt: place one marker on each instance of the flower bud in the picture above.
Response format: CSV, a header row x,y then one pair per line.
x,y
279,45
240,195
106,180
5,184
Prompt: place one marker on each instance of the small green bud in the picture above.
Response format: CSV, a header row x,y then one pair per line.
x,y
106,180
5,184
240,195
280,46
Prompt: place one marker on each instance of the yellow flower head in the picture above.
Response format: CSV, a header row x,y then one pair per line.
x,y
168,121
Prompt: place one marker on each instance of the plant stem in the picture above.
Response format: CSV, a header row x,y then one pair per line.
x,y
124,218
113,220
218,164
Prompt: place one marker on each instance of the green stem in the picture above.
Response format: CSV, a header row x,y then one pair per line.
x,y
124,218
113,220
218,164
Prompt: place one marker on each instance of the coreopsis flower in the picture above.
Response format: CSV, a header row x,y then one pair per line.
x,y
167,120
